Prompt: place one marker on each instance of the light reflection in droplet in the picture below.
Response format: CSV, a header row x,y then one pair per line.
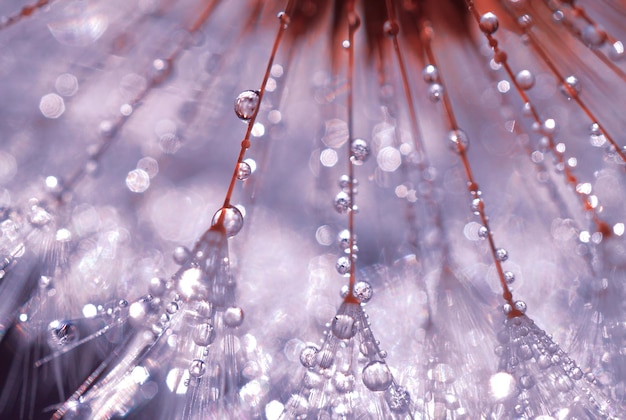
x,y
52,105
389,159
138,180
66,84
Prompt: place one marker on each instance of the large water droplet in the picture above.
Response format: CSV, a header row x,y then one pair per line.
x,y
230,218
377,376
246,104
203,334
344,326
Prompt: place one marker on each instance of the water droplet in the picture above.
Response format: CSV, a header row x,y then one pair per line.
x,y
343,238
430,74
435,92
197,368
525,21
526,381
62,333
520,305
477,206
344,326
524,352
308,356
343,265
360,151
617,51
509,277
377,376
233,317
593,35
502,254
571,87
138,180
203,334
458,140
284,18
171,308
243,171
246,104
391,28
525,79
181,255
483,232
230,218
363,291
161,70
342,202
489,23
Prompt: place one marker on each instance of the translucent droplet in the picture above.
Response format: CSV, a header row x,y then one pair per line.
x,y
509,277
344,184
377,376
203,334
489,23
62,333
483,232
502,254
571,88
430,74
524,352
246,104
172,308
243,171
233,317
284,18
230,218
363,291
161,70
197,368
343,265
477,206
342,202
458,140
138,180
435,92
308,356
181,255
525,79
360,151
520,305
525,21
593,35
617,51
344,326
391,28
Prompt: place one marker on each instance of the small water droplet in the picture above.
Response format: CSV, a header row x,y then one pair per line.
x,y
489,23
363,291
197,368
203,334
342,202
308,356
233,317
343,265
435,92
360,151
62,333
458,140
502,254
430,74
520,305
243,171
